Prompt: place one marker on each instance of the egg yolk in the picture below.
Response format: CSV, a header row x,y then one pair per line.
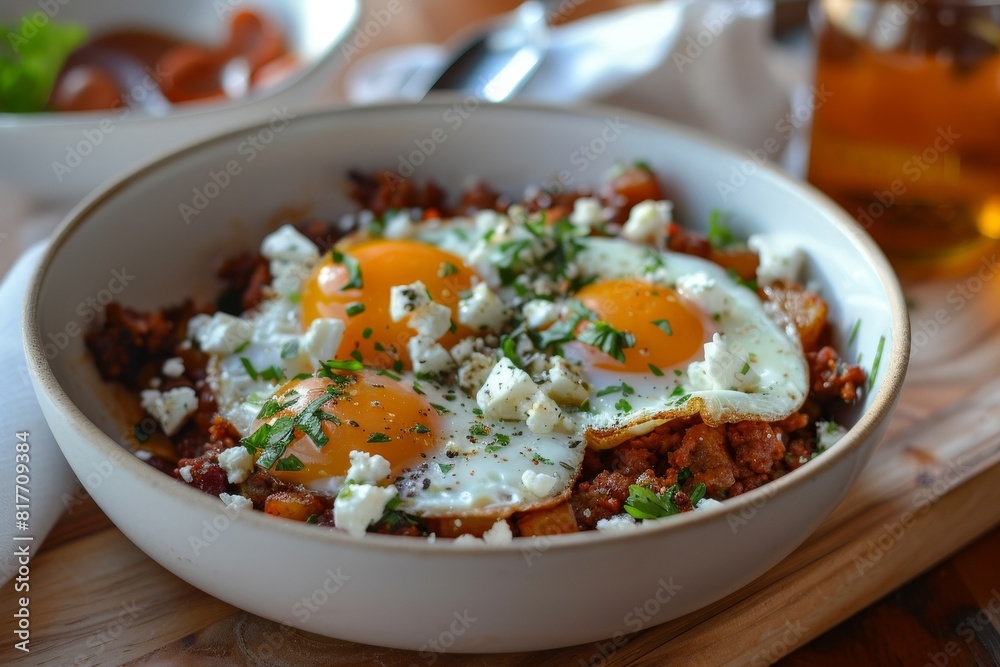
x,y
382,265
367,412
667,333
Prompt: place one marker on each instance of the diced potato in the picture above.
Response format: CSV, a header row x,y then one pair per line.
x,y
807,311
293,505
549,521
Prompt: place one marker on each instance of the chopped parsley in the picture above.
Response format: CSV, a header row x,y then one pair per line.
x,y
875,364
664,326
623,406
419,428
272,407
441,410
719,233
606,338
389,374
642,503
625,389
746,368
446,467
290,463
248,365
354,280
538,458
479,430
678,391
290,349
508,346
356,355
367,333
355,308
854,333
417,388
377,438
655,371
447,269
335,365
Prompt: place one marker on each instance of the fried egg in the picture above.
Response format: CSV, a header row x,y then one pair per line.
x,y
480,357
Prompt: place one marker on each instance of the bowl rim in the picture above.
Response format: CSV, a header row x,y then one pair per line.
x,y
194,109
894,367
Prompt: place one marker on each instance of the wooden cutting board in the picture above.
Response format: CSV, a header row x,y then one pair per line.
x,y
931,488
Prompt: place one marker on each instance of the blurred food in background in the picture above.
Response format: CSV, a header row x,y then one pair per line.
x,y
907,135
59,69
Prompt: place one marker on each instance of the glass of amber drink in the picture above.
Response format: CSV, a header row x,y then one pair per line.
x,y
907,138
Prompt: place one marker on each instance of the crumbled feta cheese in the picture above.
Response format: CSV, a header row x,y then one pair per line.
x,y
722,369
564,383
155,382
367,469
322,340
544,416
404,299
185,474
707,503
287,277
587,213
468,540
483,309
507,393
289,245
540,484
358,506
170,408
780,258
473,371
464,348
399,226
700,288
647,221
428,356
432,320
221,333
500,533
828,434
539,312
237,463
236,502
487,219
173,367
616,523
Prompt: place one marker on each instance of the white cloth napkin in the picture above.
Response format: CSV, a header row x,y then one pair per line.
x,y
51,480
706,63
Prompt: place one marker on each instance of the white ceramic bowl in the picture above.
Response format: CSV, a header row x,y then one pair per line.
x,y
535,593
63,156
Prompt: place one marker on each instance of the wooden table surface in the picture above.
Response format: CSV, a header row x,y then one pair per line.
x,y
99,600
